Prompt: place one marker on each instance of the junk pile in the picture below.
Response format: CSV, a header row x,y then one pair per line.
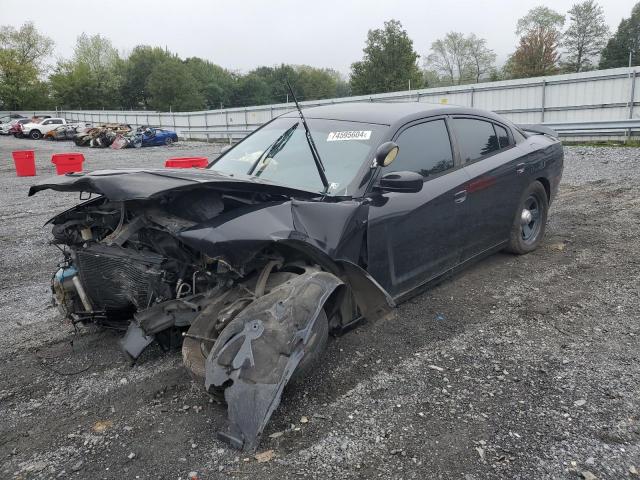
x,y
64,132
123,136
101,136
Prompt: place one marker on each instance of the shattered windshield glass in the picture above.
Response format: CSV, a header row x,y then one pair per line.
x,y
279,152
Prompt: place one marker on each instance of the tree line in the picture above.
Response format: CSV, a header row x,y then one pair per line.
x,y
97,76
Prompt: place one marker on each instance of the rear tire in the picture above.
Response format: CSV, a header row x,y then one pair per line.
x,y
527,230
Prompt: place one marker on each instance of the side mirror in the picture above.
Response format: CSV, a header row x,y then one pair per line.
x,y
386,154
407,182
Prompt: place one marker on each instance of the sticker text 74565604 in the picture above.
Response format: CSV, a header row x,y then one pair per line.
x,y
349,135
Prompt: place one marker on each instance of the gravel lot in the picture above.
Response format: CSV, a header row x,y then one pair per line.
x,y
520,367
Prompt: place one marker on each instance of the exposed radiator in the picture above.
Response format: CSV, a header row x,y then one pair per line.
x,y
118,280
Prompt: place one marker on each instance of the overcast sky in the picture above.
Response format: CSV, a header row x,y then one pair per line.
x,y
242,34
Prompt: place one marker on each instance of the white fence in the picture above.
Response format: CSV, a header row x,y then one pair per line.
x,y
574,99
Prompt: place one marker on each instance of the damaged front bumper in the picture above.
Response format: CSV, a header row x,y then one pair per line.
x,y
242,274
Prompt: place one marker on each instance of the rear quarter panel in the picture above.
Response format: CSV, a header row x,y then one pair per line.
x,y
545,161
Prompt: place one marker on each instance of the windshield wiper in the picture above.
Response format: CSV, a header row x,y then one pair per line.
x,y
273,149
312,145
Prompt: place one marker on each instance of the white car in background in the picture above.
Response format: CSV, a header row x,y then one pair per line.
x,y
7,122
36,130
4,127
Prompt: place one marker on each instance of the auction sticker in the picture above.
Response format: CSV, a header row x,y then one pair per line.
x,y
349,135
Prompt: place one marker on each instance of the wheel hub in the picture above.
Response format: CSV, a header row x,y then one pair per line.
x,y
526,217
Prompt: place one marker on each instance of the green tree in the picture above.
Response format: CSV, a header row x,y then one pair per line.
x,y
316,83
135,74
537,53
389,63
171,86
625,41
308,83
343,87
585,37
23,53
251,89
214,82
92,78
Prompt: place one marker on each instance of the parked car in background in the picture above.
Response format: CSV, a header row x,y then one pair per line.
x,y
37,130
302,228
6,125
10,117
16,128
151,137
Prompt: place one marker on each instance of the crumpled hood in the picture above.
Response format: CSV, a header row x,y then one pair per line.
x,y
137,184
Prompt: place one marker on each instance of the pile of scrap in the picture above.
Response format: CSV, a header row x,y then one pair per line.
x,y
65,132
101,136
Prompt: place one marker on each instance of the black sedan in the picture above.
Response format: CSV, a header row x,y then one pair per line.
x,y
318,220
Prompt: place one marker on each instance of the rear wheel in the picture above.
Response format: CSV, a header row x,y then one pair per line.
x,y
530,222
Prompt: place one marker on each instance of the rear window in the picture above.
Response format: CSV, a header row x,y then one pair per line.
x,y
503,136
476,138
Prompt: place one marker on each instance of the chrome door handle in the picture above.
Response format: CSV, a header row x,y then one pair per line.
x,y
520,168
460,196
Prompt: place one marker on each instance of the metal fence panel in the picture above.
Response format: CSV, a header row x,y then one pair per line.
x,y
580,97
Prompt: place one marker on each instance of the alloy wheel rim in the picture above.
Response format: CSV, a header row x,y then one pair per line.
x,y
530,220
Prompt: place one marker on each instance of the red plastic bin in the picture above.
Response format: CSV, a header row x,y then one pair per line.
x,y
25,161
187,162
67,162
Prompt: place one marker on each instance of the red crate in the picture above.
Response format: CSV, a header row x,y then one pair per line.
x,y
187,162
67,162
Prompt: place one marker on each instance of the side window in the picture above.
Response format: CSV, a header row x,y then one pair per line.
x,y
476,138
57,122
424,148
46,122
503,136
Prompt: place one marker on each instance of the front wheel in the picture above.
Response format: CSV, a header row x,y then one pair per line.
x,y
35,135
530,221
168,141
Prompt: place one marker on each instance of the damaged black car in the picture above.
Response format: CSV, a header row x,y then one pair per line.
x,y
320,219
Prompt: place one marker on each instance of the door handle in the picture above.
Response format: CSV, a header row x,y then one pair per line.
x,y
460,196
520,168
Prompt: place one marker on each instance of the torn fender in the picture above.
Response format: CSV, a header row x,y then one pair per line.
x,y
256,354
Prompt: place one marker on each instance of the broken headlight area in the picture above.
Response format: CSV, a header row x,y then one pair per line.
x,y
244,328
117,262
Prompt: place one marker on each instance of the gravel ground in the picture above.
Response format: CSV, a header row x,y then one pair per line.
x,y
519,367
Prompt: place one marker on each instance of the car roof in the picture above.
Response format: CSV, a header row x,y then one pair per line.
x,y
386,113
